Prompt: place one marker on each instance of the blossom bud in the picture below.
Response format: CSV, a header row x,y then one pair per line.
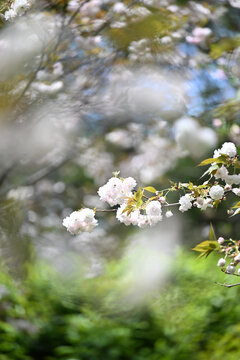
x,y
221,262
221,240
230,212
227,187
237,258
162,199
231,269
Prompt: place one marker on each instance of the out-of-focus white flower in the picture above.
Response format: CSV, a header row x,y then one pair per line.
x,y
21,5
200,36
43,75
10,14
119,8
140,51
234,3
115,190
169,214
185,203
139,11
190,136
91,8
154,212
216,192
18,7
217,123
48,89
73,5
233,179
21,193
236,191
80,221
57,69
221,262
121,138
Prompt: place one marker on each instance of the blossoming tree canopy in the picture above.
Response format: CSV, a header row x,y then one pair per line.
x,y
103,85
136,207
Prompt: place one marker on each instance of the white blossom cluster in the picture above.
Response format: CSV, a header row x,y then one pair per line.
x,y
216,192
199,36
133,209
185,202
140,51
18,8
80,221
115,191
48,83
223,174
153,214
228,148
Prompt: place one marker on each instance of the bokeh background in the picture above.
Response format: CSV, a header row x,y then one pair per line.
x,y
149,88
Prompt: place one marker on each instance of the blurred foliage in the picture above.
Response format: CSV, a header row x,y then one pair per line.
x,y
223,46
160,23
53,317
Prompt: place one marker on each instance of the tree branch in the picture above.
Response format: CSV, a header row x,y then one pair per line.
x,y
228,286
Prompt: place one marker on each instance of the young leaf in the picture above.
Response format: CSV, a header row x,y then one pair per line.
x,y
211,170
237,205
219,160
206,247
150,189
211,234
138,197
236,212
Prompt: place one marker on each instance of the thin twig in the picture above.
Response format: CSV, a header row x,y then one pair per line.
x,y
33,179
173,204
108,210
30,81
228,286
6,172
229,273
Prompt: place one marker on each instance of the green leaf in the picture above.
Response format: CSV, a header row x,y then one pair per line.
x,y
138,197
116,173
211,170
237,165
190,186
236,212
211,234
150,189
237,205
219,160
127,208
206,247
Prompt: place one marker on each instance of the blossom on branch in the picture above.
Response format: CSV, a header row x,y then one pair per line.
x,y
80,221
